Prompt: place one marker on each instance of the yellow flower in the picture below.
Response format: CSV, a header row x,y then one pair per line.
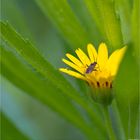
x,y
97,69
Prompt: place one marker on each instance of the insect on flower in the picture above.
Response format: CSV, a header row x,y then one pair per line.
x,y
96,68
99,74
91,68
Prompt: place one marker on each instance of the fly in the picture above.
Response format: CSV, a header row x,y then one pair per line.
x,y
91,68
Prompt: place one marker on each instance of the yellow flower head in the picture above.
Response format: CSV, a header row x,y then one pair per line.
x,y
97,69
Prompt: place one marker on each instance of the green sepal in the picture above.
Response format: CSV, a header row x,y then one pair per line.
x,y
102,95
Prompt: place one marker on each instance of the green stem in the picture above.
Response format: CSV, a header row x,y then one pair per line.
x,y
118,121
108,123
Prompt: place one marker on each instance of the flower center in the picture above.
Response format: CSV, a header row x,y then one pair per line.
x,y
99,79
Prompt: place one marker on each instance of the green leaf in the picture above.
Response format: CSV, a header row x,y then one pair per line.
x,y
33,57
127,93
135,27
103,14
41,90
62,16
123,8
9,131
86,20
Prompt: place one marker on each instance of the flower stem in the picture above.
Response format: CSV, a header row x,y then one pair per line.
x,y
108,123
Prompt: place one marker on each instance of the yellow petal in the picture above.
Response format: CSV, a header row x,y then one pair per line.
x,y
74,60
102,55
91,78
111,63
114,60
92,53
81,70
72,73
83,57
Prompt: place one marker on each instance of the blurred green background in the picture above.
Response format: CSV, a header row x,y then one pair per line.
x,y
55,28
20,112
